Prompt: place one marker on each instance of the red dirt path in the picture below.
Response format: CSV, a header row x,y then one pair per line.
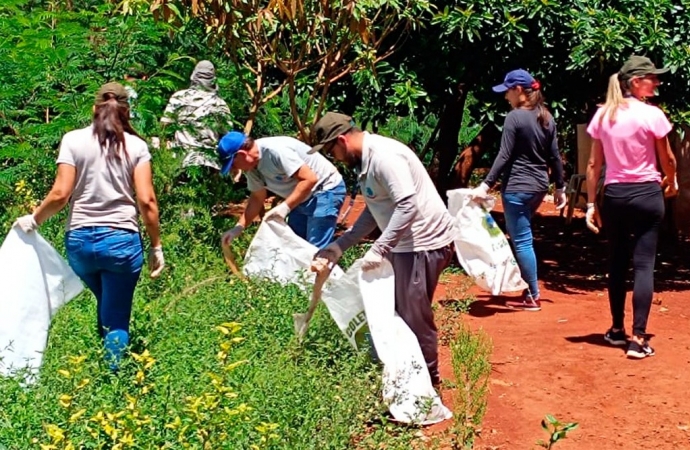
x,y
556,362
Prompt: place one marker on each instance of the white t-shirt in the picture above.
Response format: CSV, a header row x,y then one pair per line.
x,y
391,172
280,158
104,189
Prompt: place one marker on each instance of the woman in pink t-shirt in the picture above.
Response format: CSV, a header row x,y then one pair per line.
x,y
628,135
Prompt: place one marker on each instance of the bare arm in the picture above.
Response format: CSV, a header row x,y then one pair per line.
x,y
306,180
146,200
596,161
667,158
254,205
59,195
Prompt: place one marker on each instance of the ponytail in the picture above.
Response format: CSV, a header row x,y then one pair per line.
x,y
110,122
614,98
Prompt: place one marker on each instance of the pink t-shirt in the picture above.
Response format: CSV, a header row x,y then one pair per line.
x,y
629,150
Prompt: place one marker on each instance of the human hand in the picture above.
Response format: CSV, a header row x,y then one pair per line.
x,y
231,234
156,261
332,252
670,188
592,218
278,213
559,199
26,223
481,192
371,260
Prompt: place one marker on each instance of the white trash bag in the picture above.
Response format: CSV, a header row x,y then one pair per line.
x,y
407,388
34,283
278,254
481,246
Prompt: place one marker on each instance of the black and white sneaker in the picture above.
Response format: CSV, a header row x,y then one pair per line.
x,y
616,337
637,351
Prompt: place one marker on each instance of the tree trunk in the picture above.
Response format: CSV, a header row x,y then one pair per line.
x,y
450,124
470,157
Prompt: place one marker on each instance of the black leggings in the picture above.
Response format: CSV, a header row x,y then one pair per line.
x,y
632,214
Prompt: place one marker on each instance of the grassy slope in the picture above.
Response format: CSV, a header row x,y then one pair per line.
x,y
317,396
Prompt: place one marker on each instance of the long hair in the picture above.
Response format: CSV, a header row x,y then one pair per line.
x,y
535,100
615,98
110,122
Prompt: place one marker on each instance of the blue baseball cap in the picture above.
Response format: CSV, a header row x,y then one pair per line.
x,y
515,78
228,146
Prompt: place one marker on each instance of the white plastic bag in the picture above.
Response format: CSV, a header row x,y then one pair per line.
x,y
278,254
34,283
481,246
407,388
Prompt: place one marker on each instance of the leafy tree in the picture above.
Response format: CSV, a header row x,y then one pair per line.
x,y
301,46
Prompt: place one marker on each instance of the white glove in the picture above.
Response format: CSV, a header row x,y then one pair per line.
x,y
559,199
231,234
332,252
26,223
371,260
156,261
279,213
592,218
481,192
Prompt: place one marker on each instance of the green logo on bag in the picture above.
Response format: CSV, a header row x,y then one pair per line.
x,y
491,226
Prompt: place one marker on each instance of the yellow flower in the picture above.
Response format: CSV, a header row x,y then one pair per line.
x,y
64,373
223,330
127,439
175,424
77,360
83,383
55,433
65,400
236,364
74,417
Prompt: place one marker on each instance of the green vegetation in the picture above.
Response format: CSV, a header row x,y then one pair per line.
x,y
556,431
216,353
470,354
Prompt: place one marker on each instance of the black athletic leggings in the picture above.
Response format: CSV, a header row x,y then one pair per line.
x,y
632,214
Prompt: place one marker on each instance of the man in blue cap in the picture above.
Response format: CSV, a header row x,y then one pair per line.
x,y
311,185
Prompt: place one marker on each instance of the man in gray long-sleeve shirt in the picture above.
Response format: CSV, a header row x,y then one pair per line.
x,y
403,202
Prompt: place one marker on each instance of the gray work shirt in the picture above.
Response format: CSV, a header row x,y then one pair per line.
x,y
390,173
280,157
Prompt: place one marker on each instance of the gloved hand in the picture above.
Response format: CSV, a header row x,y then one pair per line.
x,y
559,198
371,260
592,218
26,223
231,234
481,192
279,213
156,261
332,252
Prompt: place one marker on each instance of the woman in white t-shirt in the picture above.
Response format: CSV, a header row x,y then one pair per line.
x,y
100,168
628,135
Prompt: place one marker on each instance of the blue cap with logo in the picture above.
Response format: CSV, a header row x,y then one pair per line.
x,y
515,78
228,146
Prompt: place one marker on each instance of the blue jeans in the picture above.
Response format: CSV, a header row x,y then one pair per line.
x,y
315,219
109,261
519,207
